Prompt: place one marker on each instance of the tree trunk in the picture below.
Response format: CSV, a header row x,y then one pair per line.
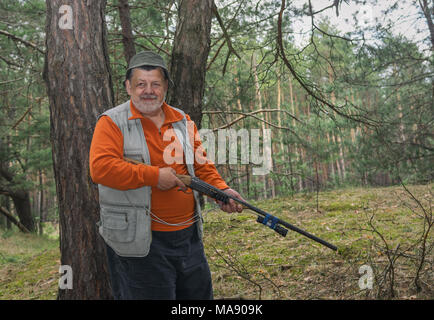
x,y
20,198
41,204
239,164
21,201
338,165
428,13
127,33
189,56
258,103
332,165
341,155
283,157
294,110
77,74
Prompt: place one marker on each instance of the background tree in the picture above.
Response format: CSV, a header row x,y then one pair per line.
x,y
25,152
189,56
127,33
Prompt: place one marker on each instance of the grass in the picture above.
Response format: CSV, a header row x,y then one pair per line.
x,y
250,261
29,266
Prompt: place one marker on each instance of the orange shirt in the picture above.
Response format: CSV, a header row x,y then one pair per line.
x,y
108,168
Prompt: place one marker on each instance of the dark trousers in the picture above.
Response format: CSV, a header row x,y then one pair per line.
x,y
175,268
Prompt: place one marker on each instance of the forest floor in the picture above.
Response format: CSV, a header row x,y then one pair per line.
x,y
379,231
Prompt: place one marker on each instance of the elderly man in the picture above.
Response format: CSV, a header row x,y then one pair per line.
x,y
152,229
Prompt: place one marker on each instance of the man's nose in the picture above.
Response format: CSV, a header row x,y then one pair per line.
x,y
148,89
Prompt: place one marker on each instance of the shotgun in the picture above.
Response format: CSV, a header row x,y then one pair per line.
x,y
263,217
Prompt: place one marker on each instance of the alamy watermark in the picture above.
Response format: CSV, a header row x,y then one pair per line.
x,y
65,21
366,281
226,146
65,280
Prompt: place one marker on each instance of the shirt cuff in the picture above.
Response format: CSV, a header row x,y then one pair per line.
x,y
150,175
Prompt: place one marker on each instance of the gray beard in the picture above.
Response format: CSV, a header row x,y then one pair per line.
x,y
146,108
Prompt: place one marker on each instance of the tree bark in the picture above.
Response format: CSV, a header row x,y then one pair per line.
x,y
77,74
189,56
127,33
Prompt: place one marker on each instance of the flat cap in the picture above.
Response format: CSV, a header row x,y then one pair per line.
x,y
149,58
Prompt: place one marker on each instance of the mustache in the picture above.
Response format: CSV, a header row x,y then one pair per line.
x,y
148,96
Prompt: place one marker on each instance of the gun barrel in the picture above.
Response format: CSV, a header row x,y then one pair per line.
x,y
285,224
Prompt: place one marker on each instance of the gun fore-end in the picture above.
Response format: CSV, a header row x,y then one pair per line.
x,y
184,178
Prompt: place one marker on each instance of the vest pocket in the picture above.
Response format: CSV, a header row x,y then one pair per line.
x,y
119,224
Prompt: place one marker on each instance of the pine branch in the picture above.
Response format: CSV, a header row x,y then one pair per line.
x,y
18,39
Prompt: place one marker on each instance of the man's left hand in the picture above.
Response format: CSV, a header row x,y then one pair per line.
x,y
232,206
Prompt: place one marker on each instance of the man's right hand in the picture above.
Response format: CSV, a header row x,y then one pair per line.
x,y
168,180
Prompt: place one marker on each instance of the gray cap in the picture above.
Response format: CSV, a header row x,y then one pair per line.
x,y
149,58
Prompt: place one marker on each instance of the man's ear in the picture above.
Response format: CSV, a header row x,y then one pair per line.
x,y
127,84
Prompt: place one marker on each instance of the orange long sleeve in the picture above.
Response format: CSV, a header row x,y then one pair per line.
x,y
107,166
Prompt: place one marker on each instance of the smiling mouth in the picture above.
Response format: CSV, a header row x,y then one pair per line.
x,y
148,98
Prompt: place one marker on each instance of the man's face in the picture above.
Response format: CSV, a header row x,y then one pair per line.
x,y
147,89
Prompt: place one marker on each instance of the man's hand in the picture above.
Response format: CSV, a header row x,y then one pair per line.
x,y
232,206
168,180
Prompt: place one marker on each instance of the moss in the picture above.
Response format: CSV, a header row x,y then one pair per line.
x,y
341,206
